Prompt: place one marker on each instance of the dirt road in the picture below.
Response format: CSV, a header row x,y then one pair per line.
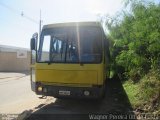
x,y
115,102
17,98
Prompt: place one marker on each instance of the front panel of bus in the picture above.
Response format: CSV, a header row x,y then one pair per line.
x,y
69,59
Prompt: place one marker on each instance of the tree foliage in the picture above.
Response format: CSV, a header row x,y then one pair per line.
x,y
136,38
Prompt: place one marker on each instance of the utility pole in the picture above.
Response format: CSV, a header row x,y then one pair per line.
x,y
40,23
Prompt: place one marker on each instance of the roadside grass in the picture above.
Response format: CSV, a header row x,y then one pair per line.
x,y
132,91
111,74
145,94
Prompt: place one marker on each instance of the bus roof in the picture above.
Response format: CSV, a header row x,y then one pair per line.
x,y
72,24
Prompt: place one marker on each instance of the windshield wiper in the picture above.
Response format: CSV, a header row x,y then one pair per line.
x,y
49,62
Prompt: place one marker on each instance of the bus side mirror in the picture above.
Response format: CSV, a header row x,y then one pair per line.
x,y
33,44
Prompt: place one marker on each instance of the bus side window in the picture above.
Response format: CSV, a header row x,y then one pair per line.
x,y
106,47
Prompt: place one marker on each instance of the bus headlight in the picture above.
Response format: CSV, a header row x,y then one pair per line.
x,y
86,93
39,89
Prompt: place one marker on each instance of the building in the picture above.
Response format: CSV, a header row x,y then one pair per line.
x,y
14,59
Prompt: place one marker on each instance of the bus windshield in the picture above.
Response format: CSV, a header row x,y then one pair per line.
x,y
82,44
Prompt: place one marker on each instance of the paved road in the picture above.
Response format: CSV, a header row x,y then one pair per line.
x,y
15,93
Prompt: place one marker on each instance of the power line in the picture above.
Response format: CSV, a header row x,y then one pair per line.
x,y
29,18
9,8
18,12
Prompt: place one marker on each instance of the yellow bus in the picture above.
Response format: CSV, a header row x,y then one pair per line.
x,y
70,60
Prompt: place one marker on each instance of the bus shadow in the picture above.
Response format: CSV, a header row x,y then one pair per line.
x,y
115,102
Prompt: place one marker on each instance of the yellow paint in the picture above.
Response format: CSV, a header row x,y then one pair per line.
x,y
72,74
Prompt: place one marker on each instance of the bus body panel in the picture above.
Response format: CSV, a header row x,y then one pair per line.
x,y
86,74
67,76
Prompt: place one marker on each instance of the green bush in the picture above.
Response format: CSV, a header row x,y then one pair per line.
x,y
135,39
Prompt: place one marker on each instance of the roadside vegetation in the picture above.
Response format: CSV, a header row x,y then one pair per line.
x,y
134,35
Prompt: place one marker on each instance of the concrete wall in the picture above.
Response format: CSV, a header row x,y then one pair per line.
x,y
11,63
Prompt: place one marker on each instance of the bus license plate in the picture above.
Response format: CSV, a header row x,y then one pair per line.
x,y
63,92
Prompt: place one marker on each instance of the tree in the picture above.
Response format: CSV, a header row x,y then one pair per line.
x,y
136,36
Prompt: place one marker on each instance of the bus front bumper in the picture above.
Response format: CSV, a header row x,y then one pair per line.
x,y
67,92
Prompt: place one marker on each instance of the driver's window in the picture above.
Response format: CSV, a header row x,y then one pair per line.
x,y
46,48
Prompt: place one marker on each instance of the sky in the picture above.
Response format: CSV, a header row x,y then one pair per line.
x,y
19,19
